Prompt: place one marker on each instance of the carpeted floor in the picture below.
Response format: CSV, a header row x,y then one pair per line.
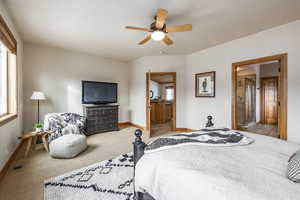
x,y
27,183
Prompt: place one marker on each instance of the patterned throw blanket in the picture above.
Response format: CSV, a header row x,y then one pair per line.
x,y
217,137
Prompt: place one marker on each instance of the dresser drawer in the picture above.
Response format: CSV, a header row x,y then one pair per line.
x,y
101,119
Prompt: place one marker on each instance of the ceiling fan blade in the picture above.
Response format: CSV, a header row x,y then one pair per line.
x,y
161,16
145,40
137,28
180,28
167,40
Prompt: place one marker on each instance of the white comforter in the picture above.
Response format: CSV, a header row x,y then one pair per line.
x,y
256,171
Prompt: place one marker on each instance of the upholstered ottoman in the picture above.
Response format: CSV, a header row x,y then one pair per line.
x,y
67,146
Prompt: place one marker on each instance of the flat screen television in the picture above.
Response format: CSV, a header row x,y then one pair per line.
x,y
99,92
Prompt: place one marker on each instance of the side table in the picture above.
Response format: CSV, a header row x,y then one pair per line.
x,y
31,138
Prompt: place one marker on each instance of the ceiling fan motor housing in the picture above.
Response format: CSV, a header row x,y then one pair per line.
x,y
153,27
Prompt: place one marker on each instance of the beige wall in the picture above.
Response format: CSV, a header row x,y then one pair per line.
x,y
282,39
137,87
58,73
191,111
9,132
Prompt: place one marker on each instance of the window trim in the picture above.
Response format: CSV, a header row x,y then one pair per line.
x,y
5,118
169,87
9,116
7,38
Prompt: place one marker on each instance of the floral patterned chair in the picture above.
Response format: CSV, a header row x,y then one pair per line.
x,y
68,138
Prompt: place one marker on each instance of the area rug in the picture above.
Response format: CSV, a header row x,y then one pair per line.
x,y
106,180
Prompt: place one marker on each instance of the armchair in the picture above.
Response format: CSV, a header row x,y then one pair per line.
x,y
67,139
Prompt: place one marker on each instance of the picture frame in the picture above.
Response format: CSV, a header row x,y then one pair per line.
x,y
205,84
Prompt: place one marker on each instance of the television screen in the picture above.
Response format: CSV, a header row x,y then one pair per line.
x,y
99,92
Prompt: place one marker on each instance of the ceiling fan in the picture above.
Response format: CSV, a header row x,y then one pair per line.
x,y
158,29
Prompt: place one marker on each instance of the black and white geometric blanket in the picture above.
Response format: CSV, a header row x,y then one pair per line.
x,y
106,180
219,138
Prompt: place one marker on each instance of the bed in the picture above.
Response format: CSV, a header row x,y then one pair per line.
x,y
256,171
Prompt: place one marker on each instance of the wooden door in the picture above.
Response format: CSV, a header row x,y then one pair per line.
x,y
169,112
269,100
160,112
153,111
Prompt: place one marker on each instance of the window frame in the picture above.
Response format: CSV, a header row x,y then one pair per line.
x,y
7,39
169,87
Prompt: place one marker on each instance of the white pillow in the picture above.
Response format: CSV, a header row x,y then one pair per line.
x,y
293,171
70,129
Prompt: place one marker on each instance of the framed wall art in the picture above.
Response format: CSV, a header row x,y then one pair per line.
x,y
205,84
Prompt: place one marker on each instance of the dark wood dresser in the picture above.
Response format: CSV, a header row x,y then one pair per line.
x,y
101,118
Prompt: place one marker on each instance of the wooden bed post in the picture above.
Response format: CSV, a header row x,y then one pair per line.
x,y
138,152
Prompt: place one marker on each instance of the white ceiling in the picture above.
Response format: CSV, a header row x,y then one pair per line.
x,y
97,26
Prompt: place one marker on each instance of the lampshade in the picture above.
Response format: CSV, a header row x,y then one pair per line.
x,y
158,35
36,95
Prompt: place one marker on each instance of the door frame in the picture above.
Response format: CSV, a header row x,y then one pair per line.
x,y
148,106
262,97
282,90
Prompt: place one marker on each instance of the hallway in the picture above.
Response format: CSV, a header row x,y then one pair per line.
x,y
262,129
160,129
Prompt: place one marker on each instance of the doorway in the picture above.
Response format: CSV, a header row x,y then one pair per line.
x,y
259,96
160,102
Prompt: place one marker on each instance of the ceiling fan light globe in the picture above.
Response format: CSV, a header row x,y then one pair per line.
x,y
158,35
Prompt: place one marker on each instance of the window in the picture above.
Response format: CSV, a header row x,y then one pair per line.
x,y
169,93
3,80
8,74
